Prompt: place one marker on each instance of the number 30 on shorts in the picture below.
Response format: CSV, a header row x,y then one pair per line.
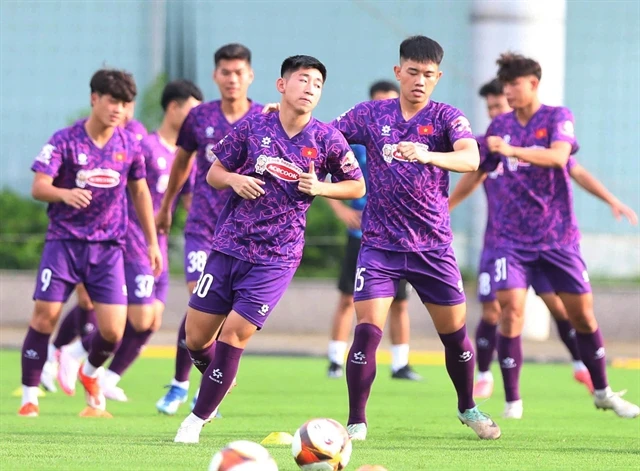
x,y
359,281
203,285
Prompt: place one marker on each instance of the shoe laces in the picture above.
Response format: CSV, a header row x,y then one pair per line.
x,y
476,415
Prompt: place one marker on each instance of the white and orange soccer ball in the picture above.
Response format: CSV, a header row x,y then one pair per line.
x,y
321,445
243,455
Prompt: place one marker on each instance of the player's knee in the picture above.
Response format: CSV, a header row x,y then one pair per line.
x,y
112,334
44,319
142,318
585,322
195,339
85,303
346,303
491,312
511,320
399,308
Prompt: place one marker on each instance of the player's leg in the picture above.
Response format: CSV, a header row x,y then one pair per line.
x,y
252,292
566,331
105,281
399,329
343,316
55,281
79,321
487,327
195,257
141,313
567,273
437,280
376,283
486,333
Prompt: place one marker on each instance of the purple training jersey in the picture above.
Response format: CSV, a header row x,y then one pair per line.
x,y
137,128
74,161
531,207
407,207
492,185
158,158
270,229
205,125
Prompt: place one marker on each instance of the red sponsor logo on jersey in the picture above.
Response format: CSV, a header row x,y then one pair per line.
x,y
283,171
98,178
309,152
119,156
426,130
541,133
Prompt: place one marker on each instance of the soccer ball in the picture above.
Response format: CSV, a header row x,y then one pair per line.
x,y
243,455
321,445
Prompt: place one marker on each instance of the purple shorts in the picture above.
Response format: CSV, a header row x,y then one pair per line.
x,y
564,269
489,269
98,265
196,248
253,291
433,274
142,287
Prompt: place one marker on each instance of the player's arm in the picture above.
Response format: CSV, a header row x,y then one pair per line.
x,y
597,189
43,189
180,171
466,185
340,190
245,186
351,217
141,199
556,155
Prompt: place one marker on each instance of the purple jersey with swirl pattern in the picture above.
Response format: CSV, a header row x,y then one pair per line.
x,y
270,229
407,206
137,128
205,125
74,161
492,185
534,204
158,158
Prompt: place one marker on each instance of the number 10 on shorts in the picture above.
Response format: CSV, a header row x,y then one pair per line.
x,y
359,281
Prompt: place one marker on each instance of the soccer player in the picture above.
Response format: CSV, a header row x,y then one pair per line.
x,y
147,295
351,215
205,125
275,164
497,104
536,228
84,172
412,144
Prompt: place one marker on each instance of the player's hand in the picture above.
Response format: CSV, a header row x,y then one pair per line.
x,y
414,152
155,258
247,187
497,146
619,209
271,108
77,198
351,217
163,220
309,182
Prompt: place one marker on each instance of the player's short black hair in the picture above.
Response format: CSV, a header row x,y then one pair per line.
x,y
512,66
295,63
117,83
383,86
494,87
421,49
232,51
179,91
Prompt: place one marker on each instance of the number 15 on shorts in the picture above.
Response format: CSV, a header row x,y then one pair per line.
x,y
359,281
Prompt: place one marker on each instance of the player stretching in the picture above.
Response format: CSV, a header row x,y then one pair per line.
x,y
536,228
497,104
275,163
204,127
412,144
351,215
84,173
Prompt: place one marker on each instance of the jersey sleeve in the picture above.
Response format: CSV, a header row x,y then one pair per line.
x,y
231,151
457,125
138,169
51,156
563,128
353,123
341,162
187,136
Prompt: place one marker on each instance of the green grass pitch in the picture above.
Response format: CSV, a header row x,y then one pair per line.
x,y
412,425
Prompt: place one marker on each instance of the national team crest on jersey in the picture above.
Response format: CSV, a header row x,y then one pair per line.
x,y
279,168
425,130
309,152
98,178
541,133
119,156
